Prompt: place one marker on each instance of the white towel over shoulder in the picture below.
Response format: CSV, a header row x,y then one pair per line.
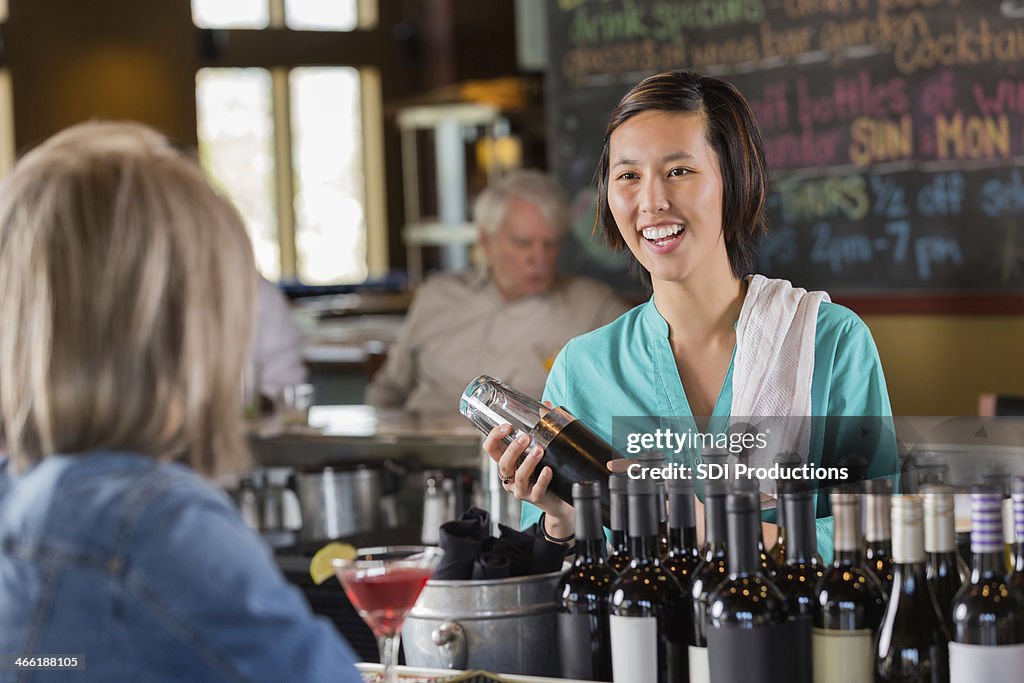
x,y
774,364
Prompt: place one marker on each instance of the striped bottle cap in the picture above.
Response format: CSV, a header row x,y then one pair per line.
x,y
986,520
1018,508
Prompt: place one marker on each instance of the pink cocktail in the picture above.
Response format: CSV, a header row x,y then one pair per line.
x,y
383,584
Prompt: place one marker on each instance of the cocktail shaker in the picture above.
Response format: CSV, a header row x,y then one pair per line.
x,y
572,450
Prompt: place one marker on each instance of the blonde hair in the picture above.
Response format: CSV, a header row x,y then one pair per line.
x,y
127,298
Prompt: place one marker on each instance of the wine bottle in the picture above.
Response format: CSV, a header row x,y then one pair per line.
x,y
988,612
1017,566
748,625
801,570
849,603
1009,531
878,530
619,512
709,573
913,642
656,460
583,630
786,461
943,571
647,604
683,555
778,550
747,485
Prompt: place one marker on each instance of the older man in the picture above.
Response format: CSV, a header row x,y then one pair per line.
x,y
508,320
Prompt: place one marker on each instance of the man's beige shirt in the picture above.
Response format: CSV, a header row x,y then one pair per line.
x,y
459,327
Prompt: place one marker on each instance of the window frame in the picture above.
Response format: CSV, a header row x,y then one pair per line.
x,y
7,143
279,50
7,140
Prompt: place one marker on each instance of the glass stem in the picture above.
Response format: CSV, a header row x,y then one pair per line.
x,y
389,657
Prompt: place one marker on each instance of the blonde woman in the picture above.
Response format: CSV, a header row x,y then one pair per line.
x,y
126,304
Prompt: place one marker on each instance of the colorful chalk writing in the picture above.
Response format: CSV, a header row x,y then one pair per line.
x,y
894,129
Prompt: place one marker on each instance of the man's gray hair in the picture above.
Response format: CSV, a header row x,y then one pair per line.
x,y
535,187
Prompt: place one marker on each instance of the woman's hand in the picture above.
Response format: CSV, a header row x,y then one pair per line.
x,y
516,480
620,465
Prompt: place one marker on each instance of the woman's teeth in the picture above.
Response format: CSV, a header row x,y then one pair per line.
x,y
659,234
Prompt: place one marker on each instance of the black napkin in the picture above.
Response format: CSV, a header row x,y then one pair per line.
x,y
471,553
514,546
462,541
491,566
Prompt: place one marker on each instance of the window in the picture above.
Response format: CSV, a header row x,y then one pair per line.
x,y
236,146
230,13
298,149
302,15
3,11
327,155
317,15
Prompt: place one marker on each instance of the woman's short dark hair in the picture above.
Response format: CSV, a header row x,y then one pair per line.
x,y
731,131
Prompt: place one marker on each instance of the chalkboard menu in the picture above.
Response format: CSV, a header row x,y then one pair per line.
x,y
894,129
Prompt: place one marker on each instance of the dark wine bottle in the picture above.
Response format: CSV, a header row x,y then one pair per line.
x,y
619,509
748,625
943,570
878,530
748,485
656,460
647,604
787,462
913,642
683,555
709,573
988,612
583,594
849,604
778,550
801,570
1017,566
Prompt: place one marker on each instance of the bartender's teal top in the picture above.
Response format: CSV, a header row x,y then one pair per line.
x,y
627,369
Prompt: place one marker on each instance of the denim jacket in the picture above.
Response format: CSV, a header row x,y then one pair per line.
x,y
147,572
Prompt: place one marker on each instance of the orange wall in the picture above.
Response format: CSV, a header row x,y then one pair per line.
x,y
937,365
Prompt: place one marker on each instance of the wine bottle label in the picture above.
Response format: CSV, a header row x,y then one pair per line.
x,y
752,655
579,643
842,656
634,649
699,667
988,663
803,663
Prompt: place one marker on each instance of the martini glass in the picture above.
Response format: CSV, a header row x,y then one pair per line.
x,y
383,584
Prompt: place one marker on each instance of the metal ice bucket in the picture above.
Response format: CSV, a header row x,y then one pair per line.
x,y
502,625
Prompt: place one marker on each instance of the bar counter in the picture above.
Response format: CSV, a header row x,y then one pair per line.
x,y
360,434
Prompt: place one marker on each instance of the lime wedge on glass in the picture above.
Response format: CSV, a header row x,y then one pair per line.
x,y
321,567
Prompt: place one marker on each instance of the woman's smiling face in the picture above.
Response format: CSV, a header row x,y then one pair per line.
x,y
665,193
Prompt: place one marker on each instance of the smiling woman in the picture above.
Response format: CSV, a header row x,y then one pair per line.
x,y
723,145
659,201
681,186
